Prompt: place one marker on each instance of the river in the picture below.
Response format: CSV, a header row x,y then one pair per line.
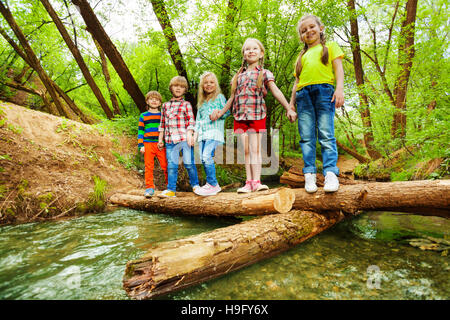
x,y
361,258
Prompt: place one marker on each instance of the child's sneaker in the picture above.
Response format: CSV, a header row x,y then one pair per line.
x,y
310,182
168,194
247,188
149,192
331,182
257,186
209,190
197,190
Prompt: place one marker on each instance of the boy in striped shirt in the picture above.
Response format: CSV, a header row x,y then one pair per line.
x,y
148,140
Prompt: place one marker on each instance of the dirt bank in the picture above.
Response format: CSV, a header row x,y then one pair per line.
x,y
48,165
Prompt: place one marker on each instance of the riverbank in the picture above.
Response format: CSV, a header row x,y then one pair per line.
x,y
51,167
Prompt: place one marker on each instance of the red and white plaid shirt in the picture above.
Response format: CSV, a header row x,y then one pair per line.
x,y
248,103
176,118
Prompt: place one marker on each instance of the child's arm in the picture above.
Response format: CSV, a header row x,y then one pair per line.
x,y
162,127
219,113
190,125
294,92
141,132
338,96
290,111
161,140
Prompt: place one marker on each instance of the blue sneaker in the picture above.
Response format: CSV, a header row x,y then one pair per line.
x,y
149,192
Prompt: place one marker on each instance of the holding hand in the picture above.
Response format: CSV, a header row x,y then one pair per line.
x,y
190,138
216,114
291,115
160,145
142,150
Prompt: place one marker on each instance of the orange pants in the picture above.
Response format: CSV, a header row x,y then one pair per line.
x,y
151,150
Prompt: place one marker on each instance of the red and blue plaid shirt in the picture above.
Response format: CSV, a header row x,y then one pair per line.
x,y
248,103
176,118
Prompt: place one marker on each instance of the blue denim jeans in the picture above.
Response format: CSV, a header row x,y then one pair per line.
x,y
207,149
316,120
173,156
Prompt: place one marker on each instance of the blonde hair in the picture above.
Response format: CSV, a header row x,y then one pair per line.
x,y
324,59
244,64
178,80
201,93
153,94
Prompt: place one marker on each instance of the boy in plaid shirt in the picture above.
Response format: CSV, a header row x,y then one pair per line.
x,y
176,128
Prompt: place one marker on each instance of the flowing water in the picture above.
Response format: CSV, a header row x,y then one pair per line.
x,y
361,258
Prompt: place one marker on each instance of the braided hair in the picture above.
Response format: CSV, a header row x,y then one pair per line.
x,y
324,58
244,65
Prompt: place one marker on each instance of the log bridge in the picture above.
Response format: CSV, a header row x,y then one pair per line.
x,y
287,218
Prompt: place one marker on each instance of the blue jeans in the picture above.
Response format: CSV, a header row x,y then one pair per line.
x,y
173,156
316,120
207,149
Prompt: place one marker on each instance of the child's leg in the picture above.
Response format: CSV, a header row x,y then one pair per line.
x,y
173,155
161,155
325,124
189,163
149,157
248,167
207,149
254,146
307,129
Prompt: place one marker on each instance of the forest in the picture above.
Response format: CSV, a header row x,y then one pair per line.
x,y
93,61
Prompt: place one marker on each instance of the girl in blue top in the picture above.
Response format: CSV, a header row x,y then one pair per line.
x,y
209,133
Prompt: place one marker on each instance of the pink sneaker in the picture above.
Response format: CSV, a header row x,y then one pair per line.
x,y
209,190
257,186
247,188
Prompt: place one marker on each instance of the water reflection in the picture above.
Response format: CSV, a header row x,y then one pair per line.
x,y
85,258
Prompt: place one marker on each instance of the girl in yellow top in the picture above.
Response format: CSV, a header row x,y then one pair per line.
x,y
317,91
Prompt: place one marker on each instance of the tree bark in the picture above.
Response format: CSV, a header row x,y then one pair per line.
x,y
223,204
174,49
424,197
353,153
359,75
405,59
228,49
178,264
31,58
98,33
78,58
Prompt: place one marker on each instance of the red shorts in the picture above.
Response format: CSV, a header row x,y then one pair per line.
x,y
250,125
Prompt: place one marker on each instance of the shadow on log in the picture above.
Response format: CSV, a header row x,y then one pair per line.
x,y
174,265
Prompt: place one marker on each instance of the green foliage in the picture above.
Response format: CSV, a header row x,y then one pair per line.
x,y
97,198
129,161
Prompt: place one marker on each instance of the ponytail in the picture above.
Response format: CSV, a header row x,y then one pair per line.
x,y
323,40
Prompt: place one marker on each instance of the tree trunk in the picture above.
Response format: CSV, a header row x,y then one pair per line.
x,y
178,264
31,58
359,75
105,71
223,204
174,49
405,59
228,47
424,197
99,34
78,58
353,153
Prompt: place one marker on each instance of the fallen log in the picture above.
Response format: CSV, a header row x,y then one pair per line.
x,y
222,204
175,265
424,197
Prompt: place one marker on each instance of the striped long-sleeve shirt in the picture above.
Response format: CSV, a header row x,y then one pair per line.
x,y
207,129
176,119
148,127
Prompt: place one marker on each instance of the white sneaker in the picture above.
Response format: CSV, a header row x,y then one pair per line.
x,y
209,190
310,182
331,182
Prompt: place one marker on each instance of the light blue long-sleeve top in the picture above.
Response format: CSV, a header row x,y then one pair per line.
x,y
207,129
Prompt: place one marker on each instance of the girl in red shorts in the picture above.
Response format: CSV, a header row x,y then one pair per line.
x,y
248,89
